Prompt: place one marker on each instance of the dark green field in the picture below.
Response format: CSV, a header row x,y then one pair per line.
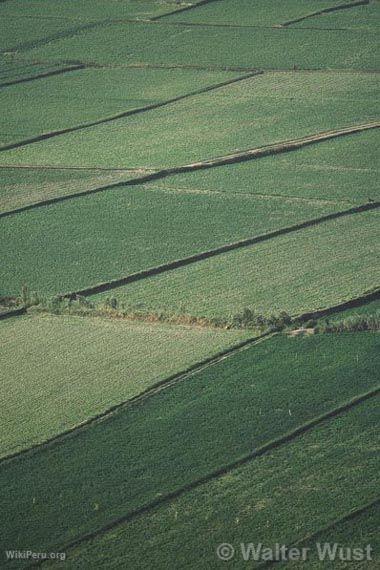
x,y
280,497
210,420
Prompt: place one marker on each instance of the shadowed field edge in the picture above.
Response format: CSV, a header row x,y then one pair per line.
x,y
176,264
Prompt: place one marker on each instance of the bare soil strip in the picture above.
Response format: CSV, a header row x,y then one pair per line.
x,y
124,114
326,11
271,446
278,148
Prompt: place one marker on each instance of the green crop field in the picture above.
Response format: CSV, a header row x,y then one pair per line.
x,y
251,12
90,365
260,110
89,10
339,170
365,18
21,71
22,187
108,235
88,95
306,270
144,452
280,497
171,44
189,283
359,531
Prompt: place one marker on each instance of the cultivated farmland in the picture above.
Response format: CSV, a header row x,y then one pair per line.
x,y
189,282
305,480
144,451
331,264
168,44
111,234
87,96
102,364
257,111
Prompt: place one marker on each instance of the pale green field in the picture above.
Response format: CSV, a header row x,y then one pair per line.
x,y
251,12
86,95
339,170
69,369
254,112
24,186
306,270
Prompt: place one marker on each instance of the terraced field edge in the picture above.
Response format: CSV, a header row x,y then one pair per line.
x,y
326,11
123,114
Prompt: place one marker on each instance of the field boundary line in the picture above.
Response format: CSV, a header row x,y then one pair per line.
x,y
340,307
242,156
220,472
195,258
123,114
156,388
75,67
346,6
347,517
184,9
69,33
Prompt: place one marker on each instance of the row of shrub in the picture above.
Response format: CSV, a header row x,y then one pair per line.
x,y
246,319
354,323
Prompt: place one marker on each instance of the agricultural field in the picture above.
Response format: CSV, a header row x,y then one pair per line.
x,y
256,111
253,12
331,265
189,282
364,17
85,96
22,187
168,44
342,170
195,423
90,10
98,237
282,496
102,364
